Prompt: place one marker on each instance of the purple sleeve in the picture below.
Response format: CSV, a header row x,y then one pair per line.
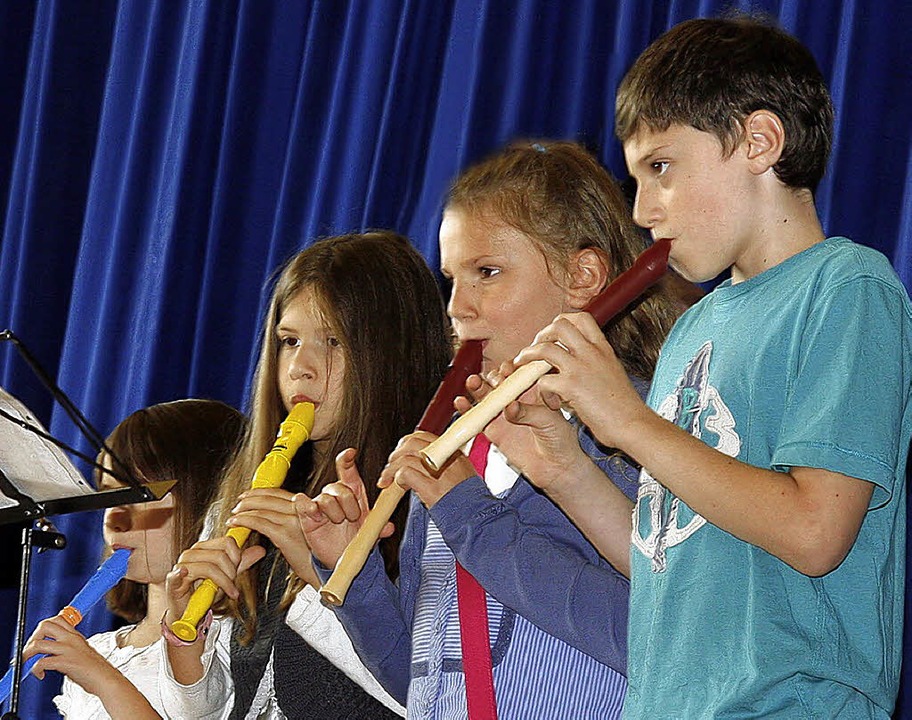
x,y
373,620
377,613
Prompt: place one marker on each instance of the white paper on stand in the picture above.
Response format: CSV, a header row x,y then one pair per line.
x,y
36,467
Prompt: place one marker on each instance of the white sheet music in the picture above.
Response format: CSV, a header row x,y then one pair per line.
x,y
35,466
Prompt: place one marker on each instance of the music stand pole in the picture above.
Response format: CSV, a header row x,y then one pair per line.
x,y
46,537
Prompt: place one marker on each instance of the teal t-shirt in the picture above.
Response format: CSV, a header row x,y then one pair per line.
x,y
807,364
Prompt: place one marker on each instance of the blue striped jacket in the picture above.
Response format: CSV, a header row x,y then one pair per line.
x,y
558,610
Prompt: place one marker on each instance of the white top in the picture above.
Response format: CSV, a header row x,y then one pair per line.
x,y
212,697
141,666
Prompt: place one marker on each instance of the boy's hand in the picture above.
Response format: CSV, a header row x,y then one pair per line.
x,y
539,442
590,379
330,520
271,512
405,467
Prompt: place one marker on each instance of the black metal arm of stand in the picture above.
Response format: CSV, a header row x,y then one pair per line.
x,y
44,536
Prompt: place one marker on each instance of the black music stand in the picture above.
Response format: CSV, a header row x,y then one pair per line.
x,y
37,479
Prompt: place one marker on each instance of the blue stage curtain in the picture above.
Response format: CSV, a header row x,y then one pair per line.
x,y
158,159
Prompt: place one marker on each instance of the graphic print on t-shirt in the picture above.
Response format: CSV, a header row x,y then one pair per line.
x,y
696,406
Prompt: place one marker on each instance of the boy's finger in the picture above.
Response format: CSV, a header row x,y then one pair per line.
x,y
476,387
462,404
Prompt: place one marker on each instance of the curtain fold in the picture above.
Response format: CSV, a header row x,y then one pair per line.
x,y
158,160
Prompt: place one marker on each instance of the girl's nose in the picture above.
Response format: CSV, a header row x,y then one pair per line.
x,y
302,365
118,519
461,305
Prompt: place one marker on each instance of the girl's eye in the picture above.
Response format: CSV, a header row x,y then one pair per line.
x,y
289,341
333,342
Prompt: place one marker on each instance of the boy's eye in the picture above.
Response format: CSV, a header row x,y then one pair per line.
x,y
659,167
488,272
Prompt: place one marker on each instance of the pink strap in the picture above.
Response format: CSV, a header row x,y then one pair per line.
x,y
473,622
172,639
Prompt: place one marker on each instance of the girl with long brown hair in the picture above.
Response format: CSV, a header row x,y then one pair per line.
x,y
355,325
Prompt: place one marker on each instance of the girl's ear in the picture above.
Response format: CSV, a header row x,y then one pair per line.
x,y
588,275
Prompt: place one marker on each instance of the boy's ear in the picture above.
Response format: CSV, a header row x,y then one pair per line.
x,y
588,275
764,140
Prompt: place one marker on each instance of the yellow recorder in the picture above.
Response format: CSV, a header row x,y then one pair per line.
x,y
293,433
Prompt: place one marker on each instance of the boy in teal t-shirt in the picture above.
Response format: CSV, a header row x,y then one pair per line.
x,y
768,558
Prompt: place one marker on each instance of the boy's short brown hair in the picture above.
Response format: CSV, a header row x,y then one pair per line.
x,y
712,73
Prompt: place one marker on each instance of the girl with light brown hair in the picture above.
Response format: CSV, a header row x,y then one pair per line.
x,y
356,326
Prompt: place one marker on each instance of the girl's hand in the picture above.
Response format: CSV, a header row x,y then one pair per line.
x,y
590,379
330,520
218,559
271,512
405,467
539,442
69,653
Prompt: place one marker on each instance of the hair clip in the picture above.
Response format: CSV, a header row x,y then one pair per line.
x,y
538,147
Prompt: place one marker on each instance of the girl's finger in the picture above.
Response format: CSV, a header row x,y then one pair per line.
x,y
43,646
272,525
40,667
306,507
222,578
267,492
177,582
350,503
251,556
209,550
586,325
264,503
331,509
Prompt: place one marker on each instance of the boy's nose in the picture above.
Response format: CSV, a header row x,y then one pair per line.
x,y
646,212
